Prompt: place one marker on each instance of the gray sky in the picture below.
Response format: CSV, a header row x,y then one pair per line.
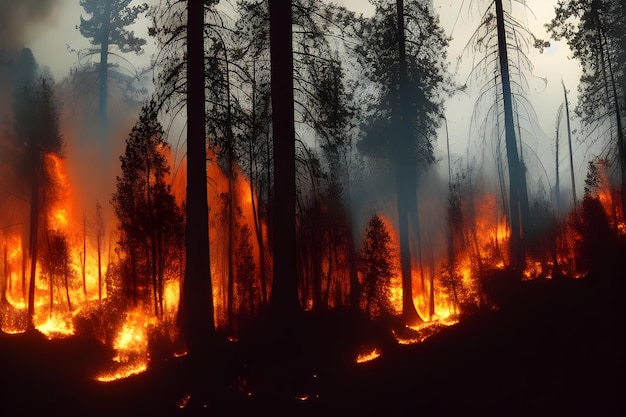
x,y
49,44
459,18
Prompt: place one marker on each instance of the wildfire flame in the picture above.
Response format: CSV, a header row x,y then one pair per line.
x,y
368,356
131,345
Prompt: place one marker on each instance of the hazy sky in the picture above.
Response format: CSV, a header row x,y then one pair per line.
x,y
49,41
459,18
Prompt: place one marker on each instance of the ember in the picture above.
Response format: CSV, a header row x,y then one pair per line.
x,y
368,355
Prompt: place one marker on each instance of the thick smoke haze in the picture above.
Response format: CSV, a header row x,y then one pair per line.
x,y
20,20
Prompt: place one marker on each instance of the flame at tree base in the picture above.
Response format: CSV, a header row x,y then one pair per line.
x,y
131,345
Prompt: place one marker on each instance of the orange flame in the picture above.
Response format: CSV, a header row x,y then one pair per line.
x,y
368,355
131,345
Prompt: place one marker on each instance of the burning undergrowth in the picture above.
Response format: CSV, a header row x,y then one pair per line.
x,y
74,265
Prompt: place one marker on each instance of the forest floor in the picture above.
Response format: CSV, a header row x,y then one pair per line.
x,y
555,347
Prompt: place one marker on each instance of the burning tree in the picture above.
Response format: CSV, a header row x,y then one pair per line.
x,y
403,53
377,263
56,264
247,286
594,32
106,28
150,221
37,136
504,71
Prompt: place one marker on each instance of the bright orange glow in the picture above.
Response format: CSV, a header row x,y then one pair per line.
x,y
131,345
368,356
55,326
59,216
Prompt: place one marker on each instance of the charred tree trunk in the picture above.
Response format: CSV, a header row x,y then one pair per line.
x,y
66,276
5,278
24,266
84,257
152,262
103,68
284,306
99,233
51,271
355,286
33,244
406,181
517,249
557,186
133,272
258,230
231,268
621,151
569,143
161,269
197,299
611,92
231,199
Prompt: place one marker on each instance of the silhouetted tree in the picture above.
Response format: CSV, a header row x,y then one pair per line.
x,y
150,222
376,264
594,32
56,264
597,248
504,72
284,304
319,102
248,290
403,52
37,129
107,27
198,324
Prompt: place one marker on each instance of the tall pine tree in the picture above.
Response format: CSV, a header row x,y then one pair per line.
x,y
106,27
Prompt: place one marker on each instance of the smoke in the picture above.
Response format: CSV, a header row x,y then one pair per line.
x,y
21,20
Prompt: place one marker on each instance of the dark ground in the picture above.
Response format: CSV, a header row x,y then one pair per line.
x,y
553,348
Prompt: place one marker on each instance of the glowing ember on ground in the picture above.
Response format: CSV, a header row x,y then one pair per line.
x,y
306,397
12,323
182,403
368,356
411,335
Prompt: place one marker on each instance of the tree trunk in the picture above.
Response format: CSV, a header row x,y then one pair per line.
x,y
284,304
99,233
517,249
231,195
197,298
255,214
258,231
33,243
103,68
84,257
569,142
5,279
66,275
406,181
621,151
24,266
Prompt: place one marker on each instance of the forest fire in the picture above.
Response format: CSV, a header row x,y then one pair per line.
x,y
70,281
303,225
76,279
55,326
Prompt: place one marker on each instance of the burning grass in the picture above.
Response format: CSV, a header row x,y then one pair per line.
x,y
131,346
